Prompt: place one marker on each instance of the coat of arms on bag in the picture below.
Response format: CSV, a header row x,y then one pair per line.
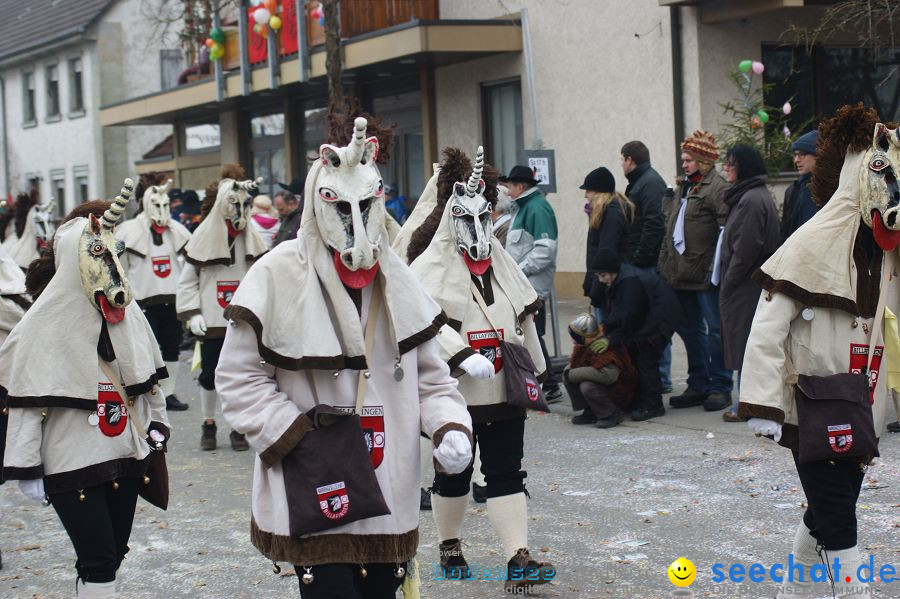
x,y
333,500
840,436
111,410
533,390
487,344
162,266
859,353
371,419
225,291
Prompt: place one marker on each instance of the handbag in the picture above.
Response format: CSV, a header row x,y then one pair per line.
x,y
522,387
328,476
834,412
155,489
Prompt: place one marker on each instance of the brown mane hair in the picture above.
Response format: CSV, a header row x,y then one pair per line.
x,y
229,170
340,129
42,269
24,202
850,129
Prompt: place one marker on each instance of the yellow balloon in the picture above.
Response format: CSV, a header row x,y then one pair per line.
x,y
275,22
682,572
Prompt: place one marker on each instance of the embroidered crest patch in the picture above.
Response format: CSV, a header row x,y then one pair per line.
x,y
487,344
840,436
225,291
859,353
333,500
162,266
371,418
111,410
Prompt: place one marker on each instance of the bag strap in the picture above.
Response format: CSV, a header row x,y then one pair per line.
x,y
133,415
887,269
374,306
480,300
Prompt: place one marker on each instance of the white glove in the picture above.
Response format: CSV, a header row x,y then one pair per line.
x,y
197,325
768,428
478,367
32,489
454,453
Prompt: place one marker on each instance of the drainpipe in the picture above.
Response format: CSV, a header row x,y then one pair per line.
x,y
6,182
677,80
537,144
244,39
217,64
302,42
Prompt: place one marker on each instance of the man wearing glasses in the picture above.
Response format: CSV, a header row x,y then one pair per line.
x,y
798,204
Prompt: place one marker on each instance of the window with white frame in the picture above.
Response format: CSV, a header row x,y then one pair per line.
x,y
29,115
76,86
81,183
58,189
502,123
52,73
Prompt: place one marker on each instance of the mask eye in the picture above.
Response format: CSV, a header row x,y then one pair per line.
x,y
380,190
328,194
878,164
97,248
457,211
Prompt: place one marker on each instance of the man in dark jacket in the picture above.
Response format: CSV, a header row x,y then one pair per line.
x,y
798,204
645,190
642,314
289,204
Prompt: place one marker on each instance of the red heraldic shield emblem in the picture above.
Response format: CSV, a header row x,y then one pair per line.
x,y
859,353
487,344
533,390
111,410
840,436
225,291
371,418
162,266
333,500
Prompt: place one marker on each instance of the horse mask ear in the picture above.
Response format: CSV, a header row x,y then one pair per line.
x,y
94,224
330,156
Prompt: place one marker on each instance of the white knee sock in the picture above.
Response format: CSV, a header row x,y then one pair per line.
x,y
448,514
168,385
477,476
509,519
805,553
208,403
97,590
850,561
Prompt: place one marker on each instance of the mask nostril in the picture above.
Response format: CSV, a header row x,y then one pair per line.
x,y
120,298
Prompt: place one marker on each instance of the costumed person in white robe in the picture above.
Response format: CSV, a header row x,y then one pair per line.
x,y
154,243
32,228
76,436
335,317
456,259
218,255
810,379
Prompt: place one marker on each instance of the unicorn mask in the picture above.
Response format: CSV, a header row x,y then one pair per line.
x,y
102,275
880,191
233,199
348,200
156,204
42,221
471,218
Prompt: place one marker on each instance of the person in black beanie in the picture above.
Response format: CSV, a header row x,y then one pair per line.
x,y
642,313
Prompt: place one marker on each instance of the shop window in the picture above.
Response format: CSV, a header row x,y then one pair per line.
x,y
502,123
200,137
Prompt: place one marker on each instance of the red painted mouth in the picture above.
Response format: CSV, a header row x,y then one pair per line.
x,y
354,279
887,239
232,232
159,228
477,267
112,314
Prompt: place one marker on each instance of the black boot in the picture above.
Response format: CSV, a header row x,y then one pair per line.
x,y
238,441
208,438
479,493
173,403
453,563
424,500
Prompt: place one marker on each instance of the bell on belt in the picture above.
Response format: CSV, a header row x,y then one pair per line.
x,y
115,486
399,571
276,568
362,571
146,480
80,494
307,577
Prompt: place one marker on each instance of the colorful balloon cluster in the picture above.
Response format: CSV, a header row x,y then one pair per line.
x,y
215,43
266,17
318,13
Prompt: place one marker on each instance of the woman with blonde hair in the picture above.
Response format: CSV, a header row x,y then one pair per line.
x,y
610,214
264,219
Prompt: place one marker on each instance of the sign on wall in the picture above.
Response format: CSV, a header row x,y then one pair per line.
x,y
543,163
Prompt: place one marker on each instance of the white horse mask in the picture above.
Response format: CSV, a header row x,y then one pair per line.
x,y
471,218
880,190
156,204
42,221
235,203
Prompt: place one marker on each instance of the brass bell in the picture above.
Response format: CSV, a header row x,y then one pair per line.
x,y
367,374
80,494
276,568
153,391
307,577
336,373
146,480
5,411
399,571
115,486
362,571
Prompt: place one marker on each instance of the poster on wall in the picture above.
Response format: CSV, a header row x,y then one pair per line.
x,y
543,163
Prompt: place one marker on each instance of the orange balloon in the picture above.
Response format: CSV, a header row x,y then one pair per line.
x,y
271,5
209,42
263,31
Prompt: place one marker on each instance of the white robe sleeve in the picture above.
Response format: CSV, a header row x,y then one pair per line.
x,y
24,435
187,298
452,349
251,400
441,405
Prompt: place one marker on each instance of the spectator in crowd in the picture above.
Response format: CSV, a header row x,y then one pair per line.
x,y
645,190
395,203
502,213
798,203
264,218
609,216
599,379
642,314
686,261
751,235
190,209
531,242
289,204
176,203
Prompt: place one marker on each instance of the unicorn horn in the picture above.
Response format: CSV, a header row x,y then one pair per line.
x,y
475,177
249,184
165,188
114,212
358,143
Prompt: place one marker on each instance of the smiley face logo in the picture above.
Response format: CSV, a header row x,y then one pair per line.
x,y
682,572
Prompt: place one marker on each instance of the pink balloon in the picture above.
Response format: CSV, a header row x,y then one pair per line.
x,y
758,67
786,109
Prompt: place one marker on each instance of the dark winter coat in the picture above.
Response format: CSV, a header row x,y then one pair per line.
x,y
612,235
640,306
645,190
798,206
752,234
289,226
704,214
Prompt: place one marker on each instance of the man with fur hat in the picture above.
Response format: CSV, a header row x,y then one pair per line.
x,y
459,258
218,256
153,246
686,263
798,204
335,317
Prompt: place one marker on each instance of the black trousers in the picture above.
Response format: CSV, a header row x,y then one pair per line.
x,y
645,355
167,329
502,448
209,359
832,489
99,526
344,581
540,323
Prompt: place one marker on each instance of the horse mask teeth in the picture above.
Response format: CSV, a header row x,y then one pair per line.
x,y
102,275
348,201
